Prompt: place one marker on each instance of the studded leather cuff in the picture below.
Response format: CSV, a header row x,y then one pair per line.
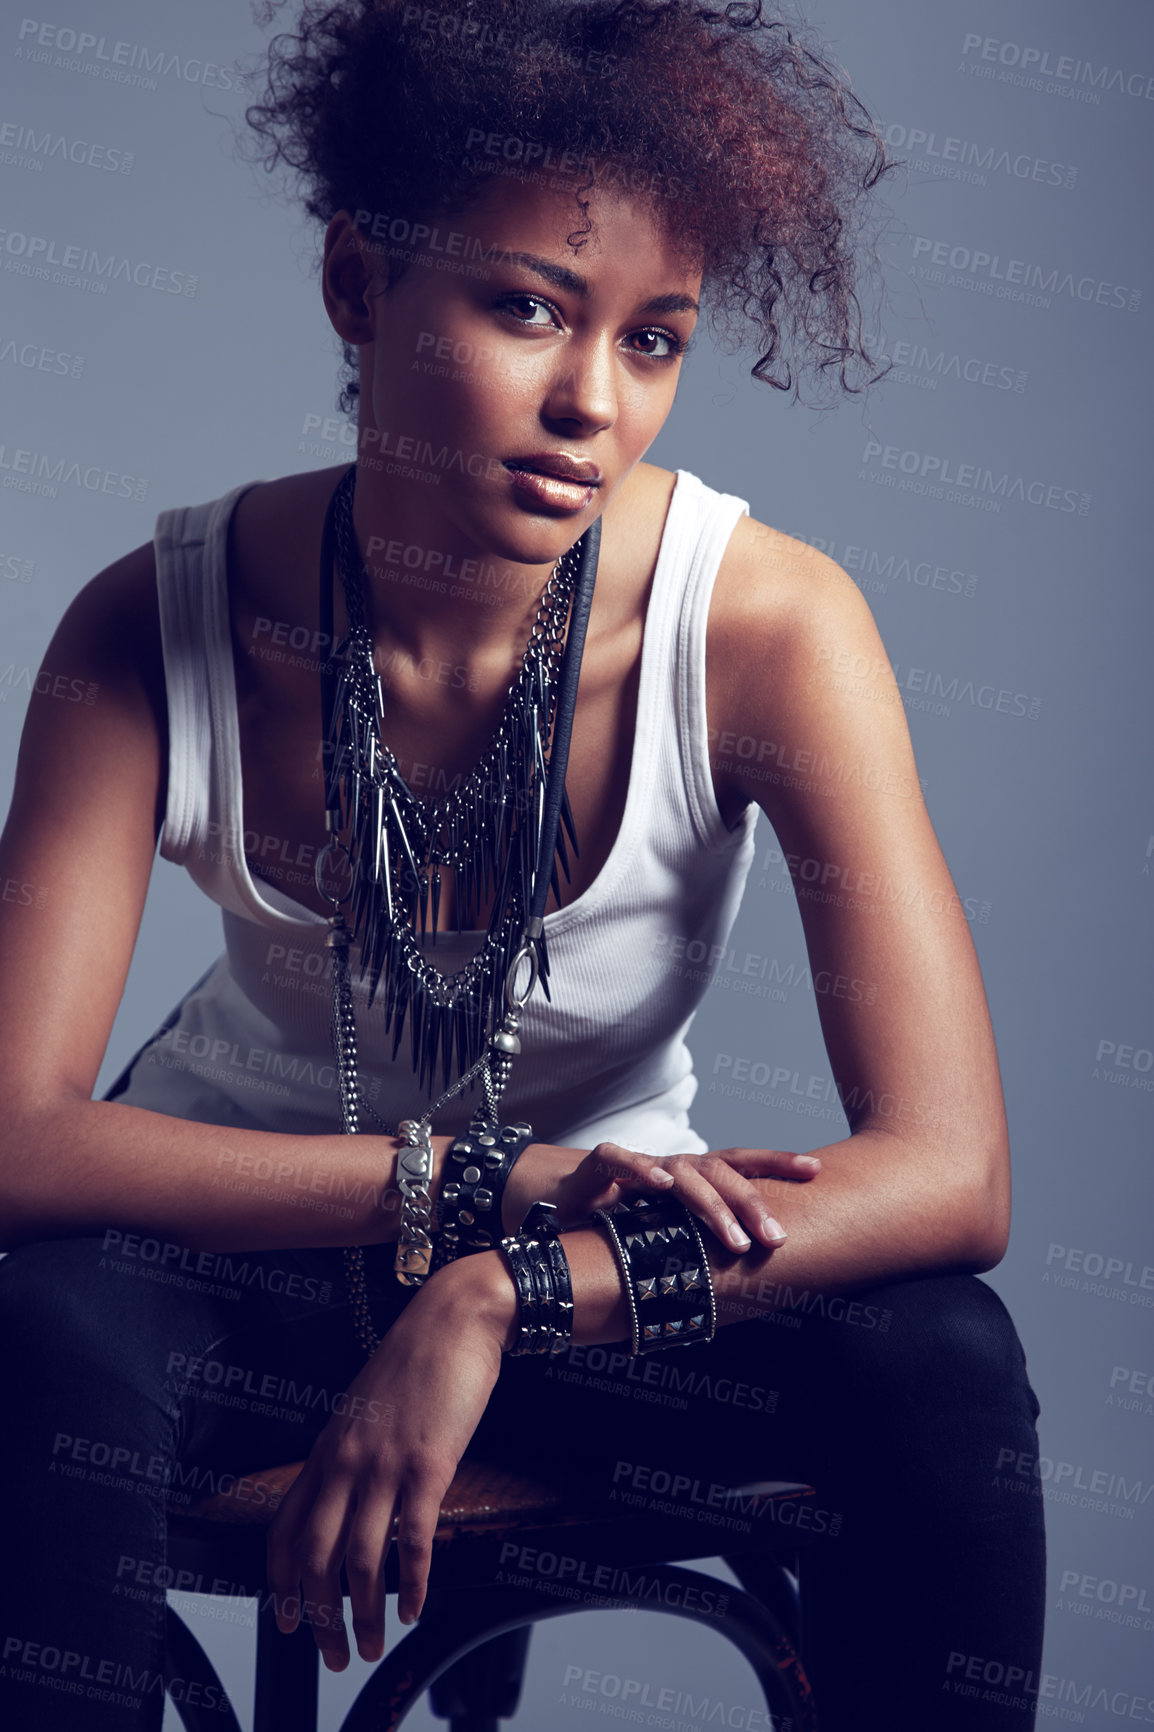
x,y
660,1249
477,1168
540,1270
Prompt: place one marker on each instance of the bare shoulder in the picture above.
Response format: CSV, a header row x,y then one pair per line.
x,y
110,632
796,672
275,541
772,583
96,730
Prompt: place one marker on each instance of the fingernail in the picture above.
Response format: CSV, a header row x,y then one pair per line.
x,y
659,1176
810,1161
774,1229
737,1238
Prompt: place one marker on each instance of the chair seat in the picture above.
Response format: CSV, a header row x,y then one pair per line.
x,y
480,1494
484,1498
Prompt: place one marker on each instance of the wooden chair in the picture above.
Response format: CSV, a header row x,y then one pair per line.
x,y
510,1550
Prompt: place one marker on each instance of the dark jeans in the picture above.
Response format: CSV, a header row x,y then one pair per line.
x,y
134,1375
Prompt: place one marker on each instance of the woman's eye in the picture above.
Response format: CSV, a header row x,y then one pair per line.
x,y
673,346
516,304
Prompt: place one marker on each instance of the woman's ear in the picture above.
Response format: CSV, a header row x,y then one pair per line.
x,y
350,279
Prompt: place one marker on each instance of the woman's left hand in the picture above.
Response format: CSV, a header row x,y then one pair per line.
x,y
721,1188
392,1453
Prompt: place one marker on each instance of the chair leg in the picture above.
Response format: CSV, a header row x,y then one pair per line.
x,y
484,1685
763,1575
286,1676
190,1678
458,1620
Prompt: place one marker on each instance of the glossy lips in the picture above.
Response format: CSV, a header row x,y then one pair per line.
x,y
555,479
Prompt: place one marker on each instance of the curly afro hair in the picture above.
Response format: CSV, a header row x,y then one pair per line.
x,y
752,148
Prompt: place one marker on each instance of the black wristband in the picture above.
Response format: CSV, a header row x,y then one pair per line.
x,y
540,1271
540,1223
517,1258
662,1255
477,1168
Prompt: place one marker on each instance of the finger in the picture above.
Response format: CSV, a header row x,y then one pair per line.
x,y
603,1176
771,1163
415,1530
726,1202
628,1168
611,1164
280,1549
319,1549
369,1536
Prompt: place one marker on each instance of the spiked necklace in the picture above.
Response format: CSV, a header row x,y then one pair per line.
x,y
487,829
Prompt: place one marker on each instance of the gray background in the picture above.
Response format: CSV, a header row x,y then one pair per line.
x,y
1046,817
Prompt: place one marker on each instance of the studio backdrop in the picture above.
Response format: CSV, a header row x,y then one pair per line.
x,y
162,339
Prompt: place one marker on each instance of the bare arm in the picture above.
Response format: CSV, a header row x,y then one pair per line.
x,y
79,845
922,1183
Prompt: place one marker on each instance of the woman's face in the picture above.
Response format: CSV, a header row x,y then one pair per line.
x,y
502,350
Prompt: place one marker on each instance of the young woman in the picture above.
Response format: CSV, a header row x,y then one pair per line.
x,y
526,206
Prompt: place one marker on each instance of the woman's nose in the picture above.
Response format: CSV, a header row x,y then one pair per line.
x,y
583,389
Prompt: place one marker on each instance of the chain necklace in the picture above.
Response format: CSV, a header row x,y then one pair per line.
x,y
498,831
486,829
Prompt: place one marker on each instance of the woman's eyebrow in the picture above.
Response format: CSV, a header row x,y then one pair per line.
x,y
672,303
563,278
559,275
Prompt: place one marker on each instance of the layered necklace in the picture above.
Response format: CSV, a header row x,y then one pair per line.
x,y
394,846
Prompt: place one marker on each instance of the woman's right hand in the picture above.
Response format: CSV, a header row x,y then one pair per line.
x,y
718,1187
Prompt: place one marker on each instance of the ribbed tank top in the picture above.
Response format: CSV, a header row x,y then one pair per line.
x,y
250,1045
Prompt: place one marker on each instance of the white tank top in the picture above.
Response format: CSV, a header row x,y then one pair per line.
x,y
249,1045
